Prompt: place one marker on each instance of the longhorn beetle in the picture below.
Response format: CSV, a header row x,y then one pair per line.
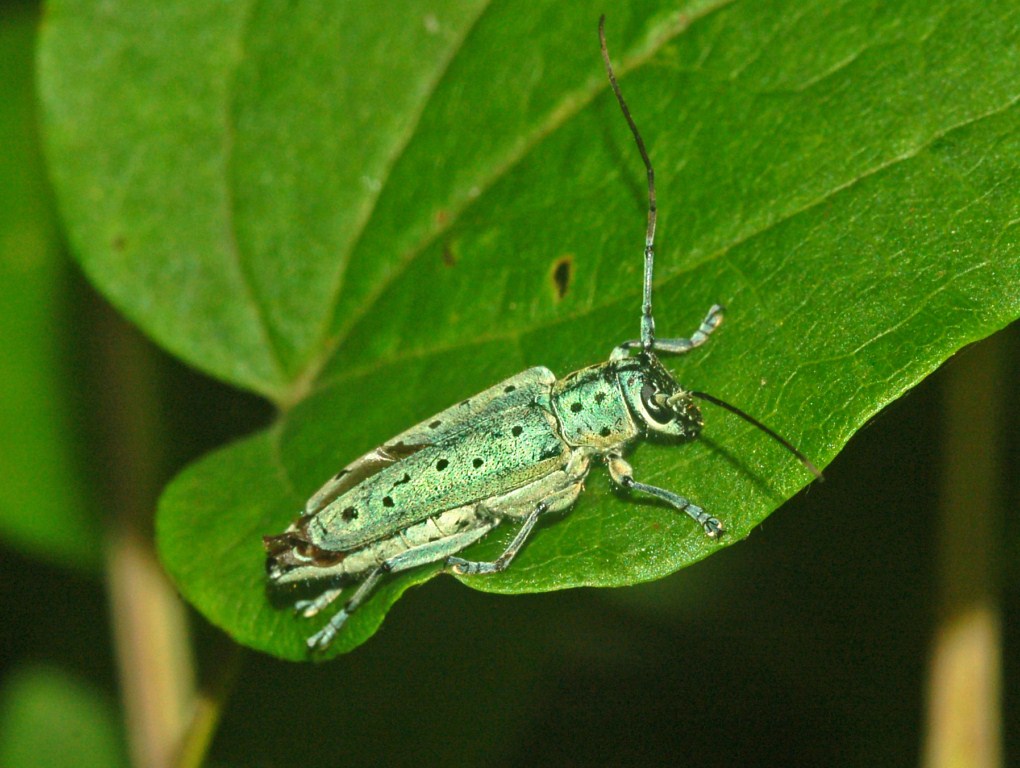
x,y
517,451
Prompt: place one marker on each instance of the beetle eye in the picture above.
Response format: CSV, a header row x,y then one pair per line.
x,y
655,406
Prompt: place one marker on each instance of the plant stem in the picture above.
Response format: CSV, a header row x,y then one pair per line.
x,y
149,622
208,709
964,697
153,651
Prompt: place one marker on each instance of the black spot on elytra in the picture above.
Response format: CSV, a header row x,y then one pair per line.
x,y
509,388
576,407
605,431
599,397
442,464
517,431
561,273
387,501
349,514
549,453
477,463
405,479
435,424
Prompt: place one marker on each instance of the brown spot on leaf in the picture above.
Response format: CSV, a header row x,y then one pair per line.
x,y
449,257
561,274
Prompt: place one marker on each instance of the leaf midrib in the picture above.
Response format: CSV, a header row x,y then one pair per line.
x,y
571,104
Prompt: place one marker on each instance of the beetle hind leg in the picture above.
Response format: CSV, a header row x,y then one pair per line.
x,y
309,608
423,554
321,639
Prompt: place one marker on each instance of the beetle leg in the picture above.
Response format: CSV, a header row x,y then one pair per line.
x,y
623,475
411,558
321,639
472,567
677,346
309,608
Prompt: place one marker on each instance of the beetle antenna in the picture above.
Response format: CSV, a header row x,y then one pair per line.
x,y
751,420
647,322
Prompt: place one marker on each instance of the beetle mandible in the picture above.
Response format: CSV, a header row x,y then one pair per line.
x,y
517,451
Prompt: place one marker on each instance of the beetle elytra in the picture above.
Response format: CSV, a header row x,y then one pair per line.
x,y
515,452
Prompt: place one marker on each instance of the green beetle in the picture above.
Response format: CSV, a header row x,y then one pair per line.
x,y
516,451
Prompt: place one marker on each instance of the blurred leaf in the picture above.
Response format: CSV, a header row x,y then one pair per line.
x,y
49,719
362,218
43,505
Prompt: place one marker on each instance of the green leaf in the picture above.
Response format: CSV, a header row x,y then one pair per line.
x,y
50,719
368,219
45,508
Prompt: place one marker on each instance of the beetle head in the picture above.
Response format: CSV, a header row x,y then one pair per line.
x,y
657,400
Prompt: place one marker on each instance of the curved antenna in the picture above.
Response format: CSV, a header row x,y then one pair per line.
x,y
751,420
647,322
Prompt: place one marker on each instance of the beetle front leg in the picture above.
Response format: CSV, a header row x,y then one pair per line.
x,y
464,567
623,475
712,321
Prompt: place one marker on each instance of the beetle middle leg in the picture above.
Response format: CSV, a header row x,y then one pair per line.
x,y
554,493
472,567
623,475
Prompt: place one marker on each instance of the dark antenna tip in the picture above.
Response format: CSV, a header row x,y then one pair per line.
x,y
751,420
